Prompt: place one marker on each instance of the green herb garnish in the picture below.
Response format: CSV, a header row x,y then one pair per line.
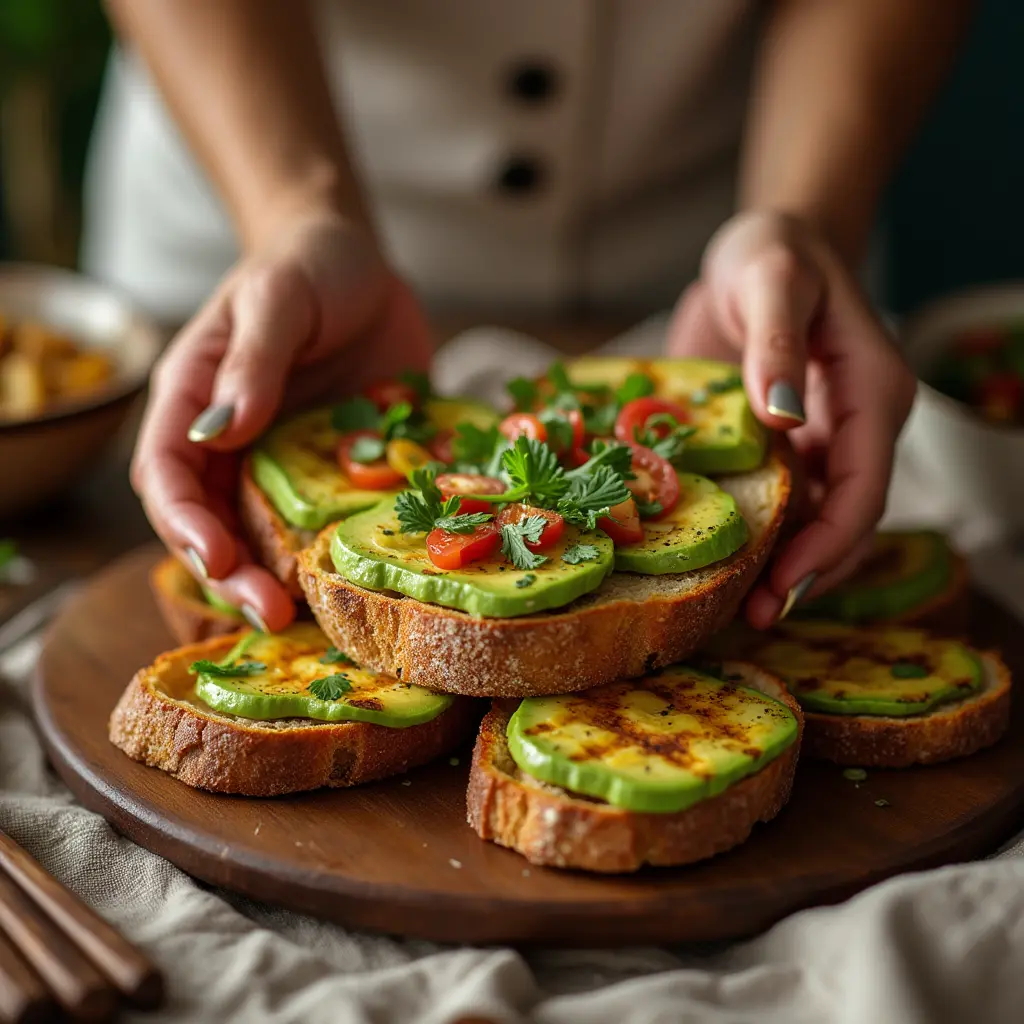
x,y
523,392
559,377
647,509
636,385
730,383
357,413
332,656
232,670
513,541
600,420
908,670
580,553
463,524
472,445
418,512
526,581
617,457
419,382
558,428
330,687
366,449
590,497
8,552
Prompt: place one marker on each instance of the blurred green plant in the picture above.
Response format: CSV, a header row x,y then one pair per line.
x,y
67,39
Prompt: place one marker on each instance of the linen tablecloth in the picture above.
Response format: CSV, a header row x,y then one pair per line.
x,y
940,947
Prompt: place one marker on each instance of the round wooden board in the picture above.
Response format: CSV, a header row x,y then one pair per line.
x,y
399,857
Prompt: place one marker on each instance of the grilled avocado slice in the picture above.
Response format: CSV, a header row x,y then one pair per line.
x,y
904,571
296,463
659,744
297,674
845,670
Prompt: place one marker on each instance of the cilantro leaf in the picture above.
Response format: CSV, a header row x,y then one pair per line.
x,y
366,449
419,382
559,377
673,446
513,542
402,420
393,416
424,481
357,413
474,445
533,470
580,553
330,687
730,383
600,420
332,656
417,513
649,508
636,385
523,392
463,524
232,670
600,490
526,581
559,429
618,457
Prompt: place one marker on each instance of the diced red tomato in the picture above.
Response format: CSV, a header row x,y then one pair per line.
x,y
633,416
575,420
623,523
523,423
578,456
1000,397
386,393
656,480
456,550
370,476
552,532
440,446
461,484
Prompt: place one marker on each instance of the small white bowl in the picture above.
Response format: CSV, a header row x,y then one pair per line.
x,y
977,467
42,456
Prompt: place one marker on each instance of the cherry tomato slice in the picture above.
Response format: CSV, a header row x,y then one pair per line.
x,y
1000,396
456,550
369,476
552,532
578,456
633,416
623,525
656,480
520,423
470,483
440,446
386,393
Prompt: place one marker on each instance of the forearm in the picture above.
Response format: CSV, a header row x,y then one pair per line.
x,y
245,82
839,87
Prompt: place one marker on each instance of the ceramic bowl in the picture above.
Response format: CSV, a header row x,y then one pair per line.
x,y
41,457
977,466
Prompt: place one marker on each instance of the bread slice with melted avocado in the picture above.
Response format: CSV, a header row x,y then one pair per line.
x,y
183,606
551,826
162,722
629,625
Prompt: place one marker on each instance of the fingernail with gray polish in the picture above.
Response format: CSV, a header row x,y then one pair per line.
x,y
197,562
797,594
784,401
254,618
211,423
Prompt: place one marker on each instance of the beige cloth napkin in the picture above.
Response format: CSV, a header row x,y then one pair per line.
x,y
942,947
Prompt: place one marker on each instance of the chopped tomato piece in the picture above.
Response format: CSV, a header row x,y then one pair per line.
x,y
552,532
404,456
623,523
655,480
470,483
1000,396
575,420
456,550
440,446
634,415
578,456
369,476
523,423
386,393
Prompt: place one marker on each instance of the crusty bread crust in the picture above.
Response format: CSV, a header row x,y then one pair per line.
x,y
189,617
951,730
155,723
274,543
630,625
553,827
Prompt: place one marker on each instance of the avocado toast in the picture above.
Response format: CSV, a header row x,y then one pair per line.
x,y
190,613
664,770
264,715
580,546
883,696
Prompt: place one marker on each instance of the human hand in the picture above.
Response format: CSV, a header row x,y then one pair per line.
x,y
817,364
311,314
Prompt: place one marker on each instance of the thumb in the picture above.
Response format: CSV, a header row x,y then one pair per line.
x,y
272,319
770,304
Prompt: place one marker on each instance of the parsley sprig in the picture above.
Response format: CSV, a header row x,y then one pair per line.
x,y
332,656
428,510
330,687
580,553
673,444
229,670
513,541
398,420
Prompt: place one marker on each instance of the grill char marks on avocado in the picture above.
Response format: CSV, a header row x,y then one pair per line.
x,y
658,745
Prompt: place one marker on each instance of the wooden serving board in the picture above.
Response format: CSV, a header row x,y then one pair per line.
x,y
399,857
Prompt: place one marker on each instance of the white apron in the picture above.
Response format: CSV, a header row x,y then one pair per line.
x,y
540,154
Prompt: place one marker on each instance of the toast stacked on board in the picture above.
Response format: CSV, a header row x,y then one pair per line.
x,y
579,561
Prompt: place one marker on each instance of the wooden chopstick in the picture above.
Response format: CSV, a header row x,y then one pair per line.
x,y
83,992
123,964
23,996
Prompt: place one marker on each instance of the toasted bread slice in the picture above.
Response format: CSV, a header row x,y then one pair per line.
x,y
630,625
949,731
274,542
187,613
551,826
160,722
